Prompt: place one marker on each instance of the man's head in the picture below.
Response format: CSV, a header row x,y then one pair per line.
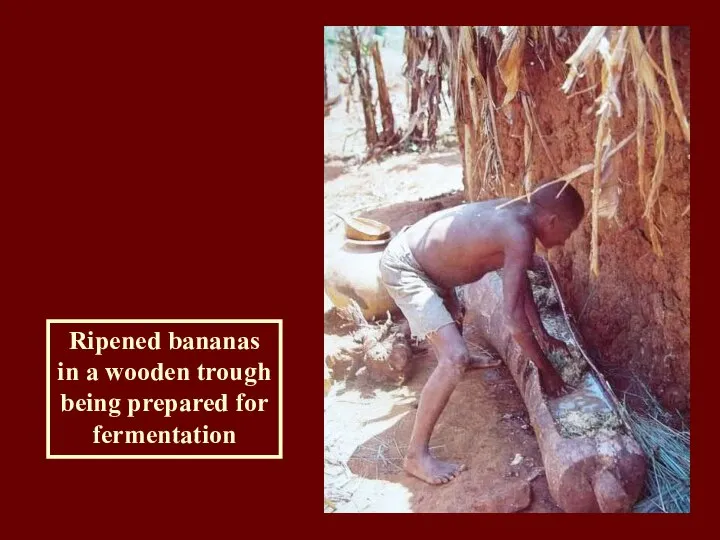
x,y
556,217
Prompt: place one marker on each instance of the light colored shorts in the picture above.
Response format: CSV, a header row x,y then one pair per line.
x,y
419,299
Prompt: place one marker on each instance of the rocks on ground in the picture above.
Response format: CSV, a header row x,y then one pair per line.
x,y
508,496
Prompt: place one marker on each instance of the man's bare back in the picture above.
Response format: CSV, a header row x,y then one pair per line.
x,y
473,236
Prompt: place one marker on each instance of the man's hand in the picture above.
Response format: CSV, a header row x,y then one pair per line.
x,y
521,312
553,383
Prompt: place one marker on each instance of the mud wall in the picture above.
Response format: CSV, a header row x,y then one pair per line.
x,y
636,314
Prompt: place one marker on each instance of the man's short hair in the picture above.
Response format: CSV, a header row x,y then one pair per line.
x,y
569,206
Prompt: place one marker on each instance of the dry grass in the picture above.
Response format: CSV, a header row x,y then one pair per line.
x,y
527,147
610,47
510,60
672,84
646,82
667,486
475,108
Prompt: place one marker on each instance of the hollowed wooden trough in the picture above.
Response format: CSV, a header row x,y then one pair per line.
x,y
592,463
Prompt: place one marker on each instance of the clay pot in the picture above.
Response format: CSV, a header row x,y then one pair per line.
x,y
353,272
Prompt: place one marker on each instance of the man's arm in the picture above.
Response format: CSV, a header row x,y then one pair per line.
x,y
516,286
531,311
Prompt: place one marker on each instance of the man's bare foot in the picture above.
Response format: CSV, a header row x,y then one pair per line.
x,y
431,470
483,361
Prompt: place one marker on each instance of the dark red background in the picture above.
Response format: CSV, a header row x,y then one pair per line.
x,y
256,433
161,162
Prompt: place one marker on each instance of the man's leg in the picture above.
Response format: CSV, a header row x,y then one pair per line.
x,y
477,361
453,358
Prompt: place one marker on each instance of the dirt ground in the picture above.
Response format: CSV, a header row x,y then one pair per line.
x,y
367,428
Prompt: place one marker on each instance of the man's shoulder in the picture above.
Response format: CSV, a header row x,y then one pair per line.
x,y
518,233
516,223
509,223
